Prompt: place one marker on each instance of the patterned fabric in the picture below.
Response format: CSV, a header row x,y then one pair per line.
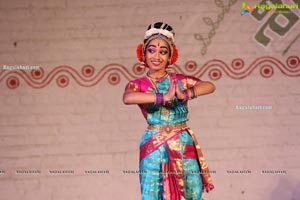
x,y
170,168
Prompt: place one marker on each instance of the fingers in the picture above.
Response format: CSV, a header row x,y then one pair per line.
x,y
173,76
171,91
177,88
172,88
172,85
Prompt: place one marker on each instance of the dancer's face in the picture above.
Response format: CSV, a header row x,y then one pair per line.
x,y
157,55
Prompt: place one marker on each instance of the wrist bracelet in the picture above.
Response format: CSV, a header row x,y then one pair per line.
x,y
169,103
159,99
186,95
194,92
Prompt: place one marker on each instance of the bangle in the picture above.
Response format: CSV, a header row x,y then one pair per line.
x,y
169,103
194,92
159,99
186,96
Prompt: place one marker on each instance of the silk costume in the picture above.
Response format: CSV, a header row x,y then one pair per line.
x,y
172,166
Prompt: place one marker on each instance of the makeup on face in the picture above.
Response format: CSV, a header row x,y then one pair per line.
x,y
162,49
157,55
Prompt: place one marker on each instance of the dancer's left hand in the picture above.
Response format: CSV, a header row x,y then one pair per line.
x,y
178,92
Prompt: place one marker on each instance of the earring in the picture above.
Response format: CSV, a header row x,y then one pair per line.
x,y
169,67
142,64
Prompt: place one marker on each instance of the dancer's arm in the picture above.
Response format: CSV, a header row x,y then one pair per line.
x,y
133,97
201,88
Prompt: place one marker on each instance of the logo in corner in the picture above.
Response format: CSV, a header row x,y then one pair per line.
x,y
246,9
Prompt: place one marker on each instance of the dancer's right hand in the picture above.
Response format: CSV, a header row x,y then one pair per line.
x,y
169,95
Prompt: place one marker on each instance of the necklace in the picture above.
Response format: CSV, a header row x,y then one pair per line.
x,y
156,80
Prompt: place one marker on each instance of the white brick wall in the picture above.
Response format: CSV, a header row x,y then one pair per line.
x,y
88,128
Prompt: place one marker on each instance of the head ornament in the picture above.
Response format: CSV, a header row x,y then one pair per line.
x,y
158,30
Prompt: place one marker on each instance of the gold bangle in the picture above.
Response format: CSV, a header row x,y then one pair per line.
x,y
192,92
195,94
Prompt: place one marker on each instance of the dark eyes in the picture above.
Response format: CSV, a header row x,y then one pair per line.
x,y
151,50
162,52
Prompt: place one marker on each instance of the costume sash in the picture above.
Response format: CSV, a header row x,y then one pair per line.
x,y
156,141
176,179
207,181
173,177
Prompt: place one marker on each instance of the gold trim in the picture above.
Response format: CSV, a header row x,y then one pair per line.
x,y
167,127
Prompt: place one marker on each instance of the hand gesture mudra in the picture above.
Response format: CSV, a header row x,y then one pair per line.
x,y
174,90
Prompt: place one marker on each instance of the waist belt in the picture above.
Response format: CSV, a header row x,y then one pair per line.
x,y
167,127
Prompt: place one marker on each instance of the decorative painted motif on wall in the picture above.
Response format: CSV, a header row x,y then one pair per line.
x,y
207,39
89,76
276,17
280,19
